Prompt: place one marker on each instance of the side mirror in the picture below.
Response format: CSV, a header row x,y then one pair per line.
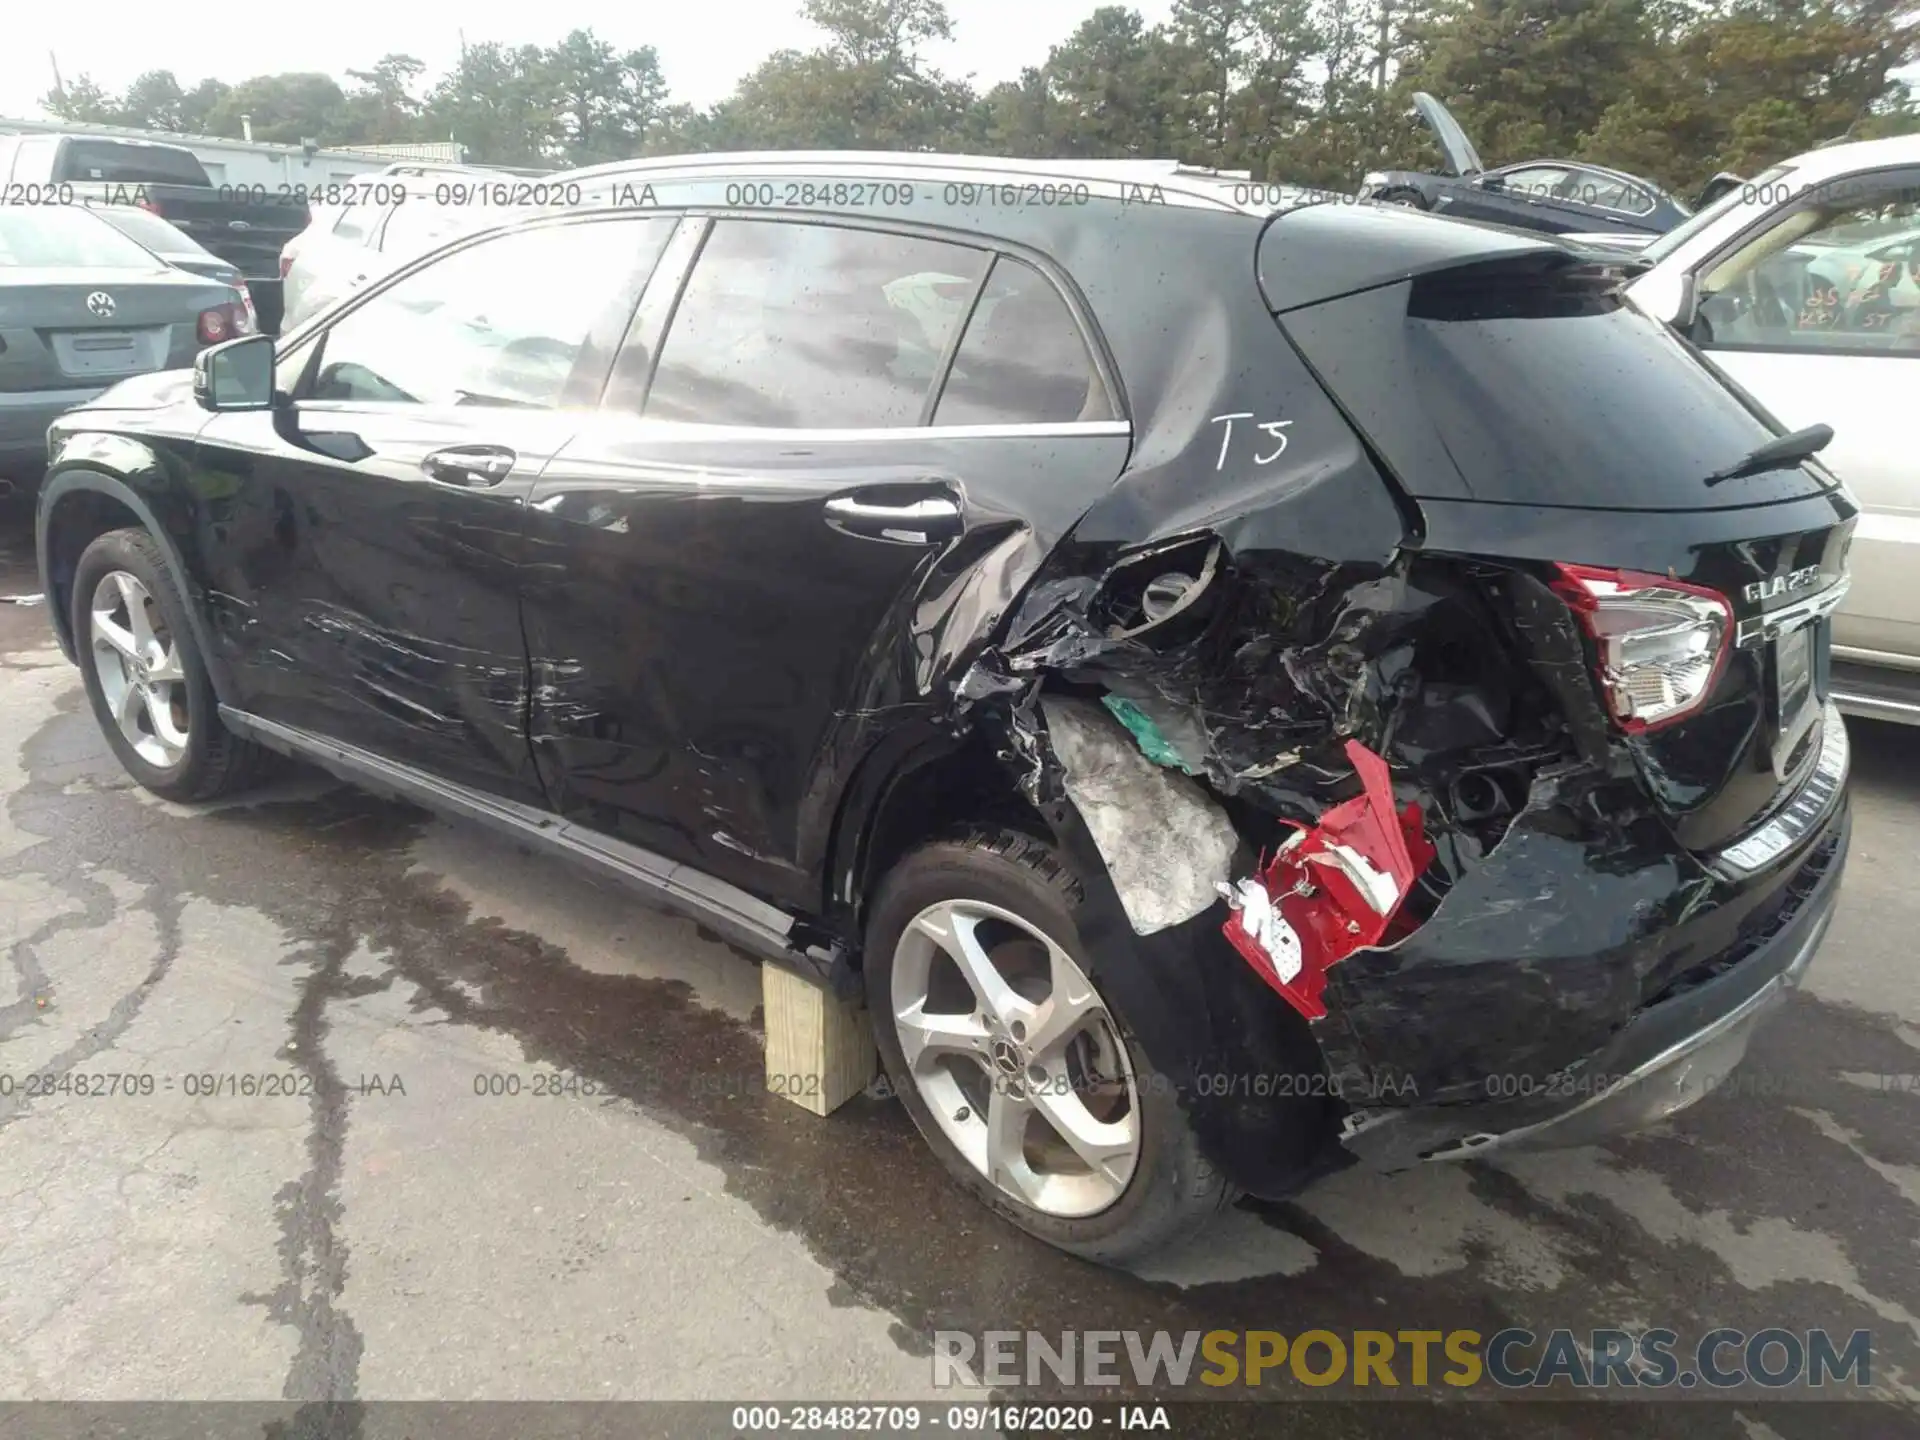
x,y
1491,182
236,375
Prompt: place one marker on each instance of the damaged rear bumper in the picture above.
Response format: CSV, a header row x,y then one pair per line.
x,y
1668,1056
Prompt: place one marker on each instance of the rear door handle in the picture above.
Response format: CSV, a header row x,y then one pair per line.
x,y
920,521
471,465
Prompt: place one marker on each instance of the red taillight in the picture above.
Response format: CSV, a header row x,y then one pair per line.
x,y
147,205
225,322
286,264
1661,643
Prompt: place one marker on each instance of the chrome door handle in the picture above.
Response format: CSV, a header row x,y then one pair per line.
x,y
475,465
911,522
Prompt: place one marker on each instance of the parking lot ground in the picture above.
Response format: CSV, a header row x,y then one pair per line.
x,y
378,1220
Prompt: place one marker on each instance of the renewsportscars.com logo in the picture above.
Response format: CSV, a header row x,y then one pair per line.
x,y
1512,1359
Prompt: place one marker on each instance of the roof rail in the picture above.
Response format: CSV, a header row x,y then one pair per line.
x,y
1192,185
445,167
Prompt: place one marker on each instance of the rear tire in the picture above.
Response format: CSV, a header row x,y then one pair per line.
x,y
145,677
997,1095
1403,195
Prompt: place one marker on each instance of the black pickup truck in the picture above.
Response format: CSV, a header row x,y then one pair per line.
x,y
244,225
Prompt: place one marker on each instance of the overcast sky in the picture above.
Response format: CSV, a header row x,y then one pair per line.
x,y
704,46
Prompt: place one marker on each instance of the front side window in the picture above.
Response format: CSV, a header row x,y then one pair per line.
x,y
1840,276
809,326
1612,192
1023,359
497,323
419,222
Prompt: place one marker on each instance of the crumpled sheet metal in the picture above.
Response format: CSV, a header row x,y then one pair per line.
x,y
1250,678
1535,956
1165,843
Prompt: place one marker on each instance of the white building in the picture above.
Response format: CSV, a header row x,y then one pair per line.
x,y
255,162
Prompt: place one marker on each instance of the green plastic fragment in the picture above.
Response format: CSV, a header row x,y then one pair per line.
x,y
1152,743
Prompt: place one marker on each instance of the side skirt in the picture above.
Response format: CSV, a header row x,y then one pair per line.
x,y
730,912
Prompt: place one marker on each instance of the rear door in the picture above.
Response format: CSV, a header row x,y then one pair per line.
x,y
364,541
1818,316
754,565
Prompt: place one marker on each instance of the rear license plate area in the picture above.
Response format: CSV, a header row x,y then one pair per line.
x,y
108,353
1792,674
1795,691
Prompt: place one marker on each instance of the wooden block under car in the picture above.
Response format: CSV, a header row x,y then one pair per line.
x,y
819,1049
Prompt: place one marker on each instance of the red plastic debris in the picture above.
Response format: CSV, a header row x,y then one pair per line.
x,y
1330,890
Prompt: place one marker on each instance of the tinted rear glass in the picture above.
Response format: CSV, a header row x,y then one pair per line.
x,y
1537,385
122,164
1023,359
56,237
153,232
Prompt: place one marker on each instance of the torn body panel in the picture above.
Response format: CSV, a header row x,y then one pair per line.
x,y
1165,844
1329,890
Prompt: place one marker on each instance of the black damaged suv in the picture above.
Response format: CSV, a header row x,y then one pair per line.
x,y
1238,691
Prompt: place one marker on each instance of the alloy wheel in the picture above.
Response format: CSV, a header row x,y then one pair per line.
x,y
137,661
1016,1057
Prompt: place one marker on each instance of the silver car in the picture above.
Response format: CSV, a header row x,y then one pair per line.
x,y
82,307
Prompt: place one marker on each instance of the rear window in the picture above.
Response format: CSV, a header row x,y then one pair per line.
x,y
58,237
151,231
117,162
1535,384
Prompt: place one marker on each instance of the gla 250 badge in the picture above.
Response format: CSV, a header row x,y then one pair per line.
x,y
1786,584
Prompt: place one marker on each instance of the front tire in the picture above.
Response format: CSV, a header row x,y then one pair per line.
x,y
1025,1081
145,677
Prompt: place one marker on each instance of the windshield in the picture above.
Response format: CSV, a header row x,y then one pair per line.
x,y
54,237
1749,193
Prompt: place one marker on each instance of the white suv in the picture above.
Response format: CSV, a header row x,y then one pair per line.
x,y
395,215
1803,286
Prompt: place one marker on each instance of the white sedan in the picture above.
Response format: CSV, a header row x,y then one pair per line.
x,y
1803,286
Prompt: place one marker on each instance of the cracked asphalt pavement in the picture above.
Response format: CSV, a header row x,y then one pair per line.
x,y
370,1225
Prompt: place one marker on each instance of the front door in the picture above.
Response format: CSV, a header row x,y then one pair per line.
x,y
745,573
363,542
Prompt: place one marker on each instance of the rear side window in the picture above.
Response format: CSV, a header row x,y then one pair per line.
x,y
351,224
119,163
792,325
1023,359
418,223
